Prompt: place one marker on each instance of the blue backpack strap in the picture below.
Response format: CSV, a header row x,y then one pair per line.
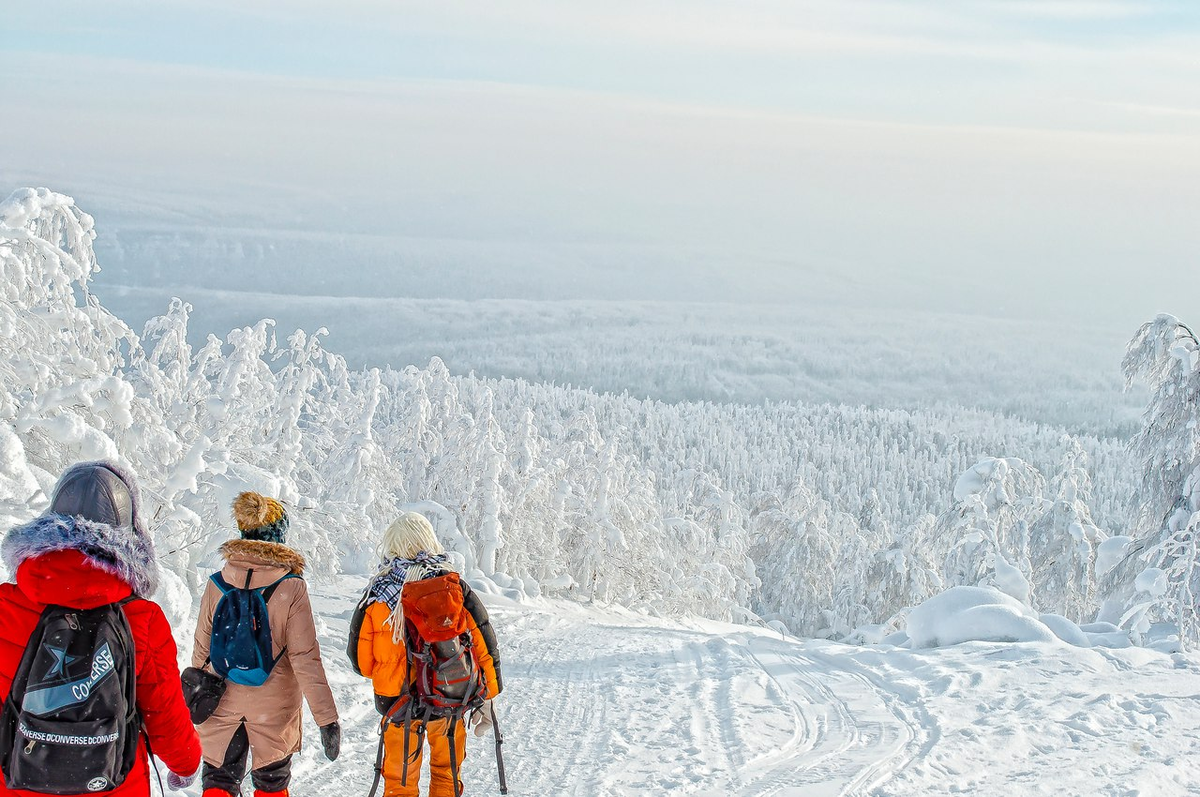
x,y
269,590
265,593
226,588
221,583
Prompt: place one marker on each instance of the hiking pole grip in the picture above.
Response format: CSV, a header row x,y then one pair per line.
x,y
499,753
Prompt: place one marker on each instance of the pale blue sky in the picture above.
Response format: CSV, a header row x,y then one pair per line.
x,y
975,142
968,61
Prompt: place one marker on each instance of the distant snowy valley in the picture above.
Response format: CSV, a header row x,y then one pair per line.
x,y
925,600
669,323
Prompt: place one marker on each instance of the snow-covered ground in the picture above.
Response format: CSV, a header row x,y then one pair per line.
x,y
608,702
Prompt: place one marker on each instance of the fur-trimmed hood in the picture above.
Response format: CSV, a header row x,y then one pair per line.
x,y
270,554
126,554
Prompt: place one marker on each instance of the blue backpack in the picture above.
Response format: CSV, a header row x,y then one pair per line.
x,y
241,649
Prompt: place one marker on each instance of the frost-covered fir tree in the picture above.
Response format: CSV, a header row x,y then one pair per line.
x,y
860,541
795,551
984,539
1166,355
1063,543
901,575
711,532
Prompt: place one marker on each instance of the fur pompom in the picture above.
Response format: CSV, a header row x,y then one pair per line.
x,y
252,511
260,518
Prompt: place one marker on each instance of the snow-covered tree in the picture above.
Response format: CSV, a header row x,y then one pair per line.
x,y
1063,543
985,537
901,575
811,514
795,549
1166,355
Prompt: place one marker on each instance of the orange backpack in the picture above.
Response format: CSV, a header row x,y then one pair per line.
x,y
444,679
434,607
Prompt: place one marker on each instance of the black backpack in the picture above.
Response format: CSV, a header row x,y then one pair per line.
x,y
70,724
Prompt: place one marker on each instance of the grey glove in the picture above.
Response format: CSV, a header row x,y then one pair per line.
x,y
180,782
331,740
481,720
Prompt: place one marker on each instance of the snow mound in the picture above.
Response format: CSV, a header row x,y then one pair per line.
x,y
1067,631
985,614
974,614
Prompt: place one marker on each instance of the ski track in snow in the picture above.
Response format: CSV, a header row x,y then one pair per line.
x,y
607,702
652,710
614,704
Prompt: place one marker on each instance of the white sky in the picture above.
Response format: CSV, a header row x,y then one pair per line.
x,y
993,144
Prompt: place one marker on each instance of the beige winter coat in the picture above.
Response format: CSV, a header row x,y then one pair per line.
x,y
271,711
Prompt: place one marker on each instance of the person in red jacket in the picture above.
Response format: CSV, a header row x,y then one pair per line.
x,y
91,549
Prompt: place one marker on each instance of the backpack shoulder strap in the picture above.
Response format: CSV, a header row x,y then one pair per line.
x,y
269,590
265,593
221,583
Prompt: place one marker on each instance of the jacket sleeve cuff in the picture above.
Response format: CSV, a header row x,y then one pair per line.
x,y
325,718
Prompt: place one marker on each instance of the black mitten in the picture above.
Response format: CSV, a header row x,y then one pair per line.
x,y
331,740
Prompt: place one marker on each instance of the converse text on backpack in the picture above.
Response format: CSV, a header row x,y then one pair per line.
x,y
73,699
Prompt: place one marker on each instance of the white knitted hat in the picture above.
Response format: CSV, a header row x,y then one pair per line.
x,y
409,535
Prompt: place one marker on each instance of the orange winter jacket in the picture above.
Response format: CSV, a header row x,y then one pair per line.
x,y
374,655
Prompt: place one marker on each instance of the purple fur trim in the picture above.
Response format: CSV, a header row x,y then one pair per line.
x,y
127,555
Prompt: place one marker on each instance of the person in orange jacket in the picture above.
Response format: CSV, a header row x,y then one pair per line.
x,y
411,552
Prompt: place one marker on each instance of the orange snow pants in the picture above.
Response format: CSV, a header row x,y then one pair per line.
x,y
441,782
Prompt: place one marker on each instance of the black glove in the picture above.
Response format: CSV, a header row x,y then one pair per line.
x,y
331,740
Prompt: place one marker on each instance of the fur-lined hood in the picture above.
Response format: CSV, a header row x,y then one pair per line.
x,y
126,554
272,554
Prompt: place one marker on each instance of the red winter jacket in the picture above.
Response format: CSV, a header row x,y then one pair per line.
x,y
72,578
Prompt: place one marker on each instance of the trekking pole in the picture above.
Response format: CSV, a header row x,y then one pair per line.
x,y
499,753
379,759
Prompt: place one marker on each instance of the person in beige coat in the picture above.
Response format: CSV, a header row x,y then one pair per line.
x,y
263,723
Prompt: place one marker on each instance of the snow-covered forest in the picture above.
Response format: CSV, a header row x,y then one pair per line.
x,y
832,520
674,351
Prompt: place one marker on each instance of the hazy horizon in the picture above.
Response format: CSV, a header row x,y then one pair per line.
x,y
1027,162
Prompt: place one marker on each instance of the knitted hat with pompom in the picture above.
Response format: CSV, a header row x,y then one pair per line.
x,y
260,518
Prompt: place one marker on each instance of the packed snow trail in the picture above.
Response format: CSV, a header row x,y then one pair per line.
x,y
648,710
606,703
609,702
